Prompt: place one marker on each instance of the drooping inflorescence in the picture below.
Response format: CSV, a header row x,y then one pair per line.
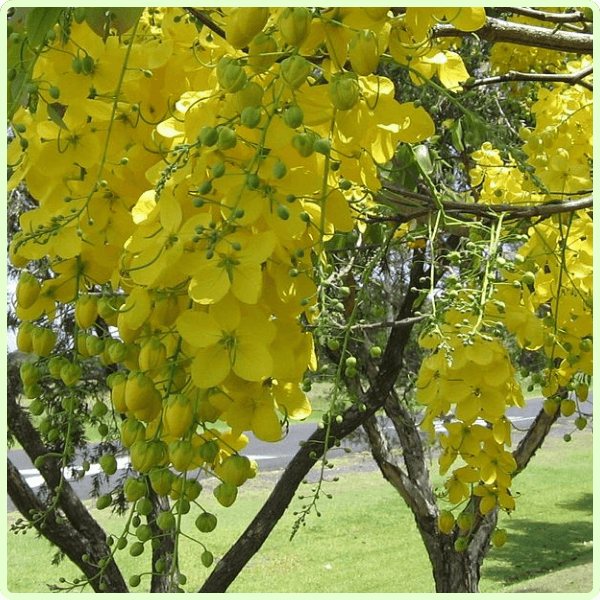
x,y
189,166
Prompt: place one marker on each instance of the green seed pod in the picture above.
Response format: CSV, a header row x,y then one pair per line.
x,y
136,549
279,170
344,91
206,522
103,502
226,138
36,408
303,143
293,116
87,65
250,116
79,14
166,520
207,558
322,146
283,212
294,25
208,136
218,169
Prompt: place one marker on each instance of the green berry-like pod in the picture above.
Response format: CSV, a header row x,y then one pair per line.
x,y
322,146
103,502
231,75
206,522
144,506
293,116
461,544
226,138
207,558
304,143
166,520
294,25
279,170
445,521
499,538
108,463
225,493
136,549
250,116
143,532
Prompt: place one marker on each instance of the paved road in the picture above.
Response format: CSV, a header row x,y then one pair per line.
x,y
272,457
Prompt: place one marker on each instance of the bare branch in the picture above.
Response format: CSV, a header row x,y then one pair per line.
x,y
497,30
206,20
396,195
64,536
533,439
571,78
541,15
50,470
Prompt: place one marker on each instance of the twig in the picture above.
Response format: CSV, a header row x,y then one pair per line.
x,y
198,14
408,322
572,78
541,15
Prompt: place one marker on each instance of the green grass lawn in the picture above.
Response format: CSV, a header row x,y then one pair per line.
x,y
366,539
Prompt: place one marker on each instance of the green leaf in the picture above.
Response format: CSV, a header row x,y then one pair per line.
x,y
422,157
39,22
55,116
121,19
457,135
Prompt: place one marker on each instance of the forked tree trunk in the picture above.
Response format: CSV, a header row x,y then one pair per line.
x,y
453,571
456,572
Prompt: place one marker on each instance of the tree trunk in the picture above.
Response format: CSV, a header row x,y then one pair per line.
x,y
453,572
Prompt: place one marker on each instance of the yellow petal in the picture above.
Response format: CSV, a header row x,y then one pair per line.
x,y
247,283
265,423
199,329
417,125
137,308
210,366
144,206
253,361
290,396
209,284
452,71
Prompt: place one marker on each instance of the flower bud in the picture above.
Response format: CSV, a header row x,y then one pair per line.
x,y
294,25
294,71
344,91
364,52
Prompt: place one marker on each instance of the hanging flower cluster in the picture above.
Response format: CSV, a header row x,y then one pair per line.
x,y
541,293
185,184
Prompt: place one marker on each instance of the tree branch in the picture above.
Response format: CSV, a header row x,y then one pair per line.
x,y
541,15
497,30
571,78
396,195
261,526
74,509
533,439
205,20
64,535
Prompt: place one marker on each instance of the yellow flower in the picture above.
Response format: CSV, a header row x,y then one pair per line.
x,y
228,337
236,264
